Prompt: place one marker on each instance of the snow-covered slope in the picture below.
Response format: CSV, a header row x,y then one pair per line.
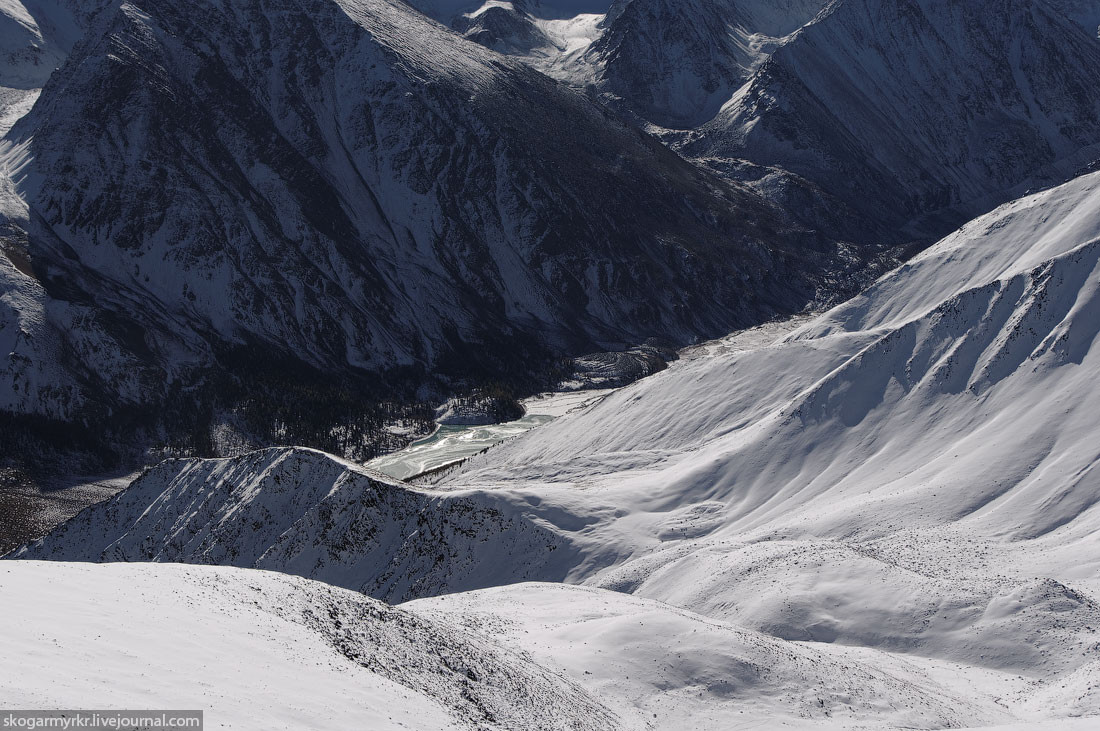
x,y
352,187
544,32
660,667
35,37
26,57
914,470
675,64
257,650
911,473
669,63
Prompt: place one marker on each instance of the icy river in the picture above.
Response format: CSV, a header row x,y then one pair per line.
x,y
450,444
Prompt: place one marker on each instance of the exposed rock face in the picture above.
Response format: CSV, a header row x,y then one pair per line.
x,y
1084,12
676,63
349,188
478,409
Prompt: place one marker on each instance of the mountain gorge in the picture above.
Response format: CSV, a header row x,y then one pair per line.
x,y
349,196
676,65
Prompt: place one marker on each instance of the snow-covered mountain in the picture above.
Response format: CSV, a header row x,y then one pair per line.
x,y
913,470
304,512
910,117
669,63
922,109
883,515
27,58
909,475
675,64
350,187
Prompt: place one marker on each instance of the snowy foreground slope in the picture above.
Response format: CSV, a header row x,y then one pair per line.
x,y
305,512
665,668
914,470
259,650
905,485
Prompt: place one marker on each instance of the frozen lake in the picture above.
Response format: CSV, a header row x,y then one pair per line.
x,y
450,444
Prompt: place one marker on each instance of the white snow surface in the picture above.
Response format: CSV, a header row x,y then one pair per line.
x,y
678,48
885,515
257,650
27,56
665,668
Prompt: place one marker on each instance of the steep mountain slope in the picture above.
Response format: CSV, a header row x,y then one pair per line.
x,y
26,57
1084,12
874,120
258,650
541,31
669,63
675,64
35,37
923,112
352,188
